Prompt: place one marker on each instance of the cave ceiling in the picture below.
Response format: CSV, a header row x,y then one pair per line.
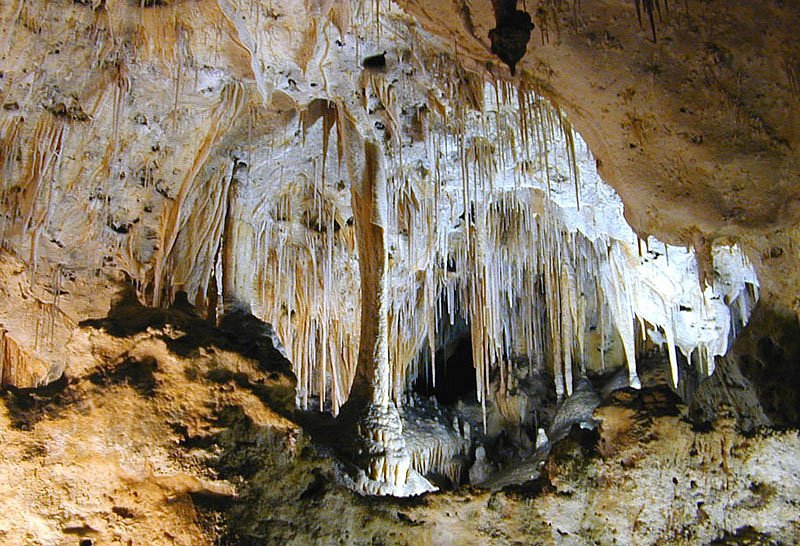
x,y
692,115
123,122
693,118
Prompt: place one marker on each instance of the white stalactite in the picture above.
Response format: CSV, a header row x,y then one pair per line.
x,y
491,208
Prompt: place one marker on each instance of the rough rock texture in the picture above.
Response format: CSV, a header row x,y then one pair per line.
x,y
173,432
107,453
767,354
34,327
195,150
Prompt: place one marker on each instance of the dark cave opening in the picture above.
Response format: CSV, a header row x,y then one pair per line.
x,y
455,373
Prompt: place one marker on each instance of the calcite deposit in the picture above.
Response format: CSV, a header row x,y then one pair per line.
x,y
263,261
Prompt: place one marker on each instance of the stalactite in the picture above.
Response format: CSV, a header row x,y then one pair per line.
x,y
10,130
489,217
32,206
437,447
199,239
173,220
10,133
18,367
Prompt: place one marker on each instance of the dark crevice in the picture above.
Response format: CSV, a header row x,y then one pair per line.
x,y
511,34
375,62
26,407
455,374
136,373
650,9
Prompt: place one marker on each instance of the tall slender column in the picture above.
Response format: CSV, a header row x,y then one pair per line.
x,y
380,449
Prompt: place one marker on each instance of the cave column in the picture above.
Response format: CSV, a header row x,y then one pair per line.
x,y
380,449
369,203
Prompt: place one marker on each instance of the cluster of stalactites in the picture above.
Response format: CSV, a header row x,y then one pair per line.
x,y
531,290
471,224
500,238
308,289
496,247
436,447
528,285
324,333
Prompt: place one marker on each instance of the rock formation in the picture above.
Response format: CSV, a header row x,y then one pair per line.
x,y
297,212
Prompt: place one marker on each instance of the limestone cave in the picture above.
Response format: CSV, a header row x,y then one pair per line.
x,y
399,272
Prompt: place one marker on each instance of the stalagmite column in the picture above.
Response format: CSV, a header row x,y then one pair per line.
x,y
237,244
369,211
380,449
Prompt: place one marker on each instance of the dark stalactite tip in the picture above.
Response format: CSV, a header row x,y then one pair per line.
x,y
510,37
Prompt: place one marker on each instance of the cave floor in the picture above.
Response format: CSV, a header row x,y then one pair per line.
x,y
171,433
